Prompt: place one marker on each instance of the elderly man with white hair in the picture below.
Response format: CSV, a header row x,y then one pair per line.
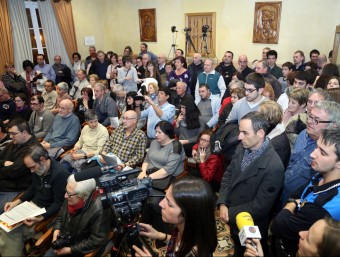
x,y
82,217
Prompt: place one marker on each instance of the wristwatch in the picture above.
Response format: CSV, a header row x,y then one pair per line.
x,y
85,156
292,200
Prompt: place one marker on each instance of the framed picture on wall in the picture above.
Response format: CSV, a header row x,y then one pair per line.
x,y
147,25
267,22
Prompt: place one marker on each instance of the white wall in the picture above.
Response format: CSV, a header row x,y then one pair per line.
x,y
305,25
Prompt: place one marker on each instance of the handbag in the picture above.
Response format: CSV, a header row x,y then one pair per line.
x,y
162,183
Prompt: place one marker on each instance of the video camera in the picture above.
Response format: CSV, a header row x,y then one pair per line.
x,y
173,29
187,29
205,28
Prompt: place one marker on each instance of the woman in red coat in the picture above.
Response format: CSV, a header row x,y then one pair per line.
x,y
211,166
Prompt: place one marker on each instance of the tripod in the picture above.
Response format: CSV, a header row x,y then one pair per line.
x,y
204,43
188,43
173,46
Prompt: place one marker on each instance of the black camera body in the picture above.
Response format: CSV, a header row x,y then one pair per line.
x,y
173,29
205,28
63,240
187,29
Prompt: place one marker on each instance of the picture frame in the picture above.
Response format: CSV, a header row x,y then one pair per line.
x,y
267,18
147,25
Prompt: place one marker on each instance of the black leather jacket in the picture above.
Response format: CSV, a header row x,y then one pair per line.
x,y
88,227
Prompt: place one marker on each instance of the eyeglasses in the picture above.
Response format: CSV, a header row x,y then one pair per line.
x,y
18,101
316,122
250,90
204,140
14,133
35,103
70,195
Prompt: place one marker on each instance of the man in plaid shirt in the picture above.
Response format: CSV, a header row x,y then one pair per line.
x,y
127,142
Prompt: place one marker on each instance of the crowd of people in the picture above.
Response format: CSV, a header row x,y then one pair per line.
x,y
283,166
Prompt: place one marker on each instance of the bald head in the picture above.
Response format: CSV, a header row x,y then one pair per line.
x,y
197,59
130,120
242,62
57,59
65,107
161,59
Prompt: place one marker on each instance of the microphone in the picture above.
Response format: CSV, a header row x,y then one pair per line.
x,y
245,224
93,172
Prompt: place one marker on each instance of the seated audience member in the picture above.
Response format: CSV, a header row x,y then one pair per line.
x,y
47,191
15,177
276,133
41,119
181,95
45,68
188,202
23,109
104,105
324,114
127,142
152,92
99,65
127,75
157,112
297,104
92,139
81,83
64,131
62,89
208,105
50,95
317,241
187,125
164,161
132,100
268,92
13,80
210,166
93,80
84,103
35,80
165,77
262,67
120,99
5,138
180,72
7,105
161,61
62,71
333,82
330,69
152,72
253,88
311,65
286,68
313,201
253,180
78,64
227,95
82,216
236,94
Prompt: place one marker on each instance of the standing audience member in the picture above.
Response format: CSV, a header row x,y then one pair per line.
x,y
286,68
34,79
226,67
152,72
144,50
92,139
180,72
92,52
253,180
210,166
77,65
127,75
112,70
273,68
161,61
63,73
195,68
298,60
41,119
99,66
243,66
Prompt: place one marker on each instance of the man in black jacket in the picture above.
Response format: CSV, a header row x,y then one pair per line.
x,y
195,68
226,67
47,190
15,177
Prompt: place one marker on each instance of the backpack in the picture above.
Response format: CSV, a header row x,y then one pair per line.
x,y
225,139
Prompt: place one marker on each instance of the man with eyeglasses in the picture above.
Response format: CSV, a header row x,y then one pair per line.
x,y
250,103
47,190
14,175
7,105
41,119
324,114
127,142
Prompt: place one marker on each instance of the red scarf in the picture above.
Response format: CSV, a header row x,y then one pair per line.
x,y
72,209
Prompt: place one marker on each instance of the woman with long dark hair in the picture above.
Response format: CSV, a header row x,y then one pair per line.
x,y
188,125
84,103
188,202
132,100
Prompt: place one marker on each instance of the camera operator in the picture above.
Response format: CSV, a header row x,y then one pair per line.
x,y
189,202
81,226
